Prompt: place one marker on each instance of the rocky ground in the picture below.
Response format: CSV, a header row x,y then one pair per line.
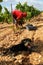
x,y
8,39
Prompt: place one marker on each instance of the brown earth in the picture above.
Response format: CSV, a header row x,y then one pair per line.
x,y
8,38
